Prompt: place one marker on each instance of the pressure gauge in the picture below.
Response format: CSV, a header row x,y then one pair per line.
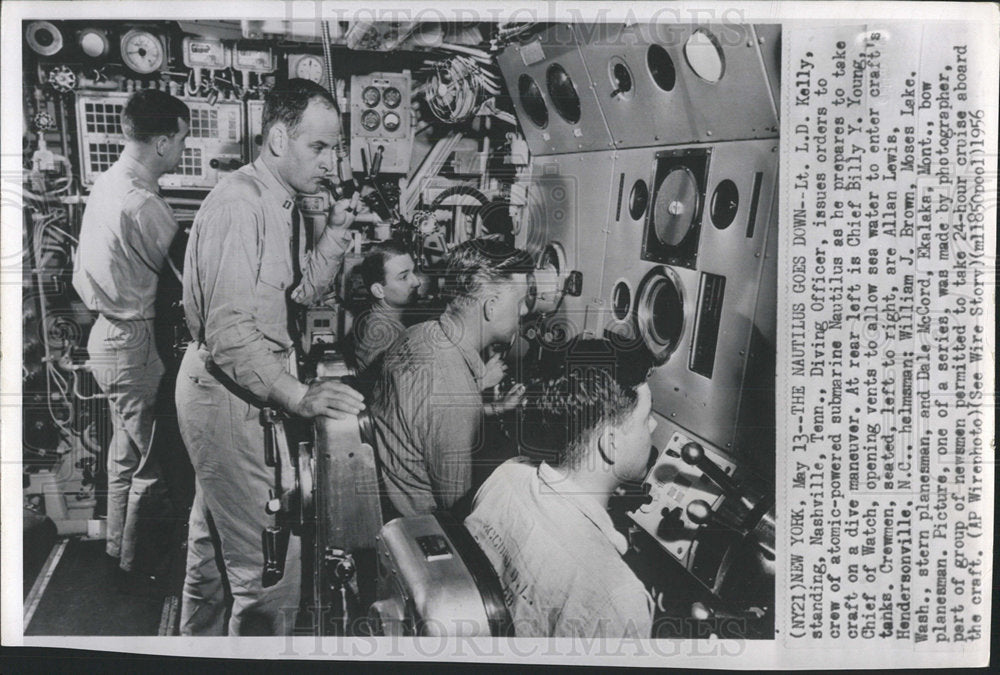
x,y
370,120
310,68
371,96
142,51
391,97
391,121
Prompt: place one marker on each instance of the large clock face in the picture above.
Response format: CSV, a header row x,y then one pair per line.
x,y
310,68
142,51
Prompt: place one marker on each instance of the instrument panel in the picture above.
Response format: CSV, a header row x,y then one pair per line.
x,y
381,132
214,144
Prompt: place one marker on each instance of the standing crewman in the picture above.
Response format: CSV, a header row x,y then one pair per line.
x,y
243,267
126,234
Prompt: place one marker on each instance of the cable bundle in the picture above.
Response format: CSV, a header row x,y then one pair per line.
x,y
458,87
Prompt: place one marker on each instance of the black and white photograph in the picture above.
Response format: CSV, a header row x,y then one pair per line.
x,y
358,327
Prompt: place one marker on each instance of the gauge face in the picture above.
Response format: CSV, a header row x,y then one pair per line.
x,y
310,68
93,42
675,206
391,97
531,99
725,204
371,96
390,121
562,91
370,120
661,67
704,54
142,51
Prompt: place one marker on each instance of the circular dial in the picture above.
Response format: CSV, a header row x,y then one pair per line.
x,y
562,91
660,313
310,68
638,199
370,120
93,42
391,97
661,67
675,206
531,99
704,54
142,51
621,79
390,121
371,96
725,204
621,300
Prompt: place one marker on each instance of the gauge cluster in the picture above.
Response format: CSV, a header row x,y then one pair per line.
x,y
380,122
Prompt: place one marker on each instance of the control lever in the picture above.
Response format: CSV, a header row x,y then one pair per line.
x,y
694,454
700,513
275,544
376,162
274,538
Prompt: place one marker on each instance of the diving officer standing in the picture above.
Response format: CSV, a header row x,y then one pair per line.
x,y
241,270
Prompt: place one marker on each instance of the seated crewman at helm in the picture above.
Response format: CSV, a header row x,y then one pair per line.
x,y
545,528
427,405
390,278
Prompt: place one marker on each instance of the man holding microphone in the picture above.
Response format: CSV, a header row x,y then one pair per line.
x,y
242,269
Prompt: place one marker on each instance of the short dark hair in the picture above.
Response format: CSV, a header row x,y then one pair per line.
x,y
287,102
372,268
474,266
150,113
577,391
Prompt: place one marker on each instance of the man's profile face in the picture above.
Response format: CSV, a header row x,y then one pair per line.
x,y
510,305
633,438
401,282
309,154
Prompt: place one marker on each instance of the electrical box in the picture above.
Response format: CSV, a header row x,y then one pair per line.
x,y
380,122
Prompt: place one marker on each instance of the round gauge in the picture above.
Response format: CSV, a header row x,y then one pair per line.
x,y
531,99
563,93
675,206
704,54
638,199
370,120
725,204
621,79
661,67
390,121
142,51
310,68
660,313
391,97
621,300
43,38
371,96
93,42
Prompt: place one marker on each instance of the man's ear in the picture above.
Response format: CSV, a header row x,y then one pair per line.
x,y
161,145
277,139
606,444
489,308
377,290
